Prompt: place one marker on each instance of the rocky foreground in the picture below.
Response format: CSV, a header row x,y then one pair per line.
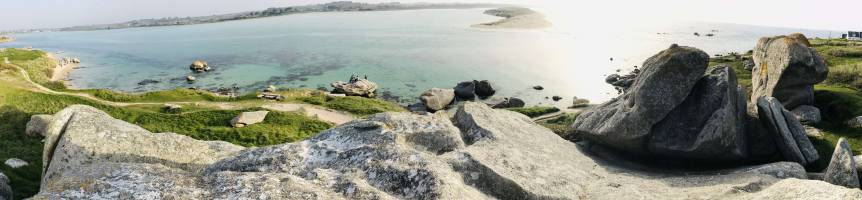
x,y
468,152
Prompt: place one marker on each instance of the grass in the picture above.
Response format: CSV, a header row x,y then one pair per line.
x,y
561,124
535,111
743,76
356,105
176,95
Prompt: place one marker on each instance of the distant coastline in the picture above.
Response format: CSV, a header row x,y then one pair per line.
x,y
341,6
516,18
6,39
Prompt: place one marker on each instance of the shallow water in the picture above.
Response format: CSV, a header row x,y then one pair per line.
x,y
405,52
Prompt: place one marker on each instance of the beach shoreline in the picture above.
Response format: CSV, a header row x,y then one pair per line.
x,y
515,18
62,69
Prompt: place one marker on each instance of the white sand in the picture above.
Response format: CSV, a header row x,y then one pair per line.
x,y
61,71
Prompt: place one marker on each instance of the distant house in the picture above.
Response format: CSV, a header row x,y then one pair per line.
x,y
853,35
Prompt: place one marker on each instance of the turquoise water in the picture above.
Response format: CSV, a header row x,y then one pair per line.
x,y
405,52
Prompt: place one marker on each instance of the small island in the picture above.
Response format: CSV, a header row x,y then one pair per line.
x,y
516,18
5,39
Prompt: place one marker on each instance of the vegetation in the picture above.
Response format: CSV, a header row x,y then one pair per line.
x,y
535,111
560,124
356,105
176,95
735,61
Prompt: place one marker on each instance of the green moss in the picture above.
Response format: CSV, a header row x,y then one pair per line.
x,y
535,111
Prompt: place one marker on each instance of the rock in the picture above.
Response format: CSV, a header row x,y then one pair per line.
x,y
789,134
799,37
191,79
5,190
15,163
674,110
787,69
709,125
418,108
748,64
579,103
37,125
276,97
538,87
465,90
511,102
270,88
808,115
484,89
248,118
437,99
148,82
172,108
556,98
858,162
842,168
358,87
815,176
813,132
613,78
484,154
199,66
335,95
855,122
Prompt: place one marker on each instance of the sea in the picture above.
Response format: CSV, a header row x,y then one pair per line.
x,y
405,52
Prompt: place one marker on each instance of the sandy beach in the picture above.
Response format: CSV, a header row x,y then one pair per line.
x,y
63,69
6,39
516,18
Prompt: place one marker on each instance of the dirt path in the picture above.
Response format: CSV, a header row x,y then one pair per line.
x,y
324,114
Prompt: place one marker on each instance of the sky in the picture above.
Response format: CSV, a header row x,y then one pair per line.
x,y
839,15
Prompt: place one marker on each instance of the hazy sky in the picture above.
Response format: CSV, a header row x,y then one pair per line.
x,y
814,14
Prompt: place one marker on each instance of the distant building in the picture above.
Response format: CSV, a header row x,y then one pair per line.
x,y
853,35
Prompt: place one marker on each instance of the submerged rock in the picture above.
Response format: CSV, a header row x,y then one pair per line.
x,y
248,118
789,135
478,153
842,168
786,68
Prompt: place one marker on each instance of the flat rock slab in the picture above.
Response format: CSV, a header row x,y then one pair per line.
x,y
248,118
789,135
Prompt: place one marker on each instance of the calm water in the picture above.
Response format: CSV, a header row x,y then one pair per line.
x,y
405,52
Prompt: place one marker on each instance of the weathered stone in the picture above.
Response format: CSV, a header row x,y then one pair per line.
x,y
270,88
484,154
855,122
858,162
465,90
799,37
625,122
191,79
708,125
172,108
248,118
786,68
358,87
842,168
511,102
808,115
37,125
789,134
5,190
437,99
15,163
579,103
556,98
484,89
199,66
748,64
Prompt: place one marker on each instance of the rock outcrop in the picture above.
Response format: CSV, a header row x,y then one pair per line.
x,y
842,168
437,99
476,153
786,67
808,115
37,125
248,118
465,90
674,111
5,190
200,66
355,87
789,135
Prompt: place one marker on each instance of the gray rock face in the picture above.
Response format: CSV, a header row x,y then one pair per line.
x,y
789,134
842,167
708,125
37,125
5,190
673,110
808,115
479,153
465,90
855,122
511,102
786,68
248,118
437,99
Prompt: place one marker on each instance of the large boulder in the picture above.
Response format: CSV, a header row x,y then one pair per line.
x,y
512,102
199,66
357,87
786,68
476,153
708,125
248,118
484,89
808,115
673,110
465,90
37,125
842,168
437,99
5,189
789,135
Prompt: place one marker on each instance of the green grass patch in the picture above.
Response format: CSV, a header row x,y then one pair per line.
x,y
535,111
356,105
560,124
176,95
